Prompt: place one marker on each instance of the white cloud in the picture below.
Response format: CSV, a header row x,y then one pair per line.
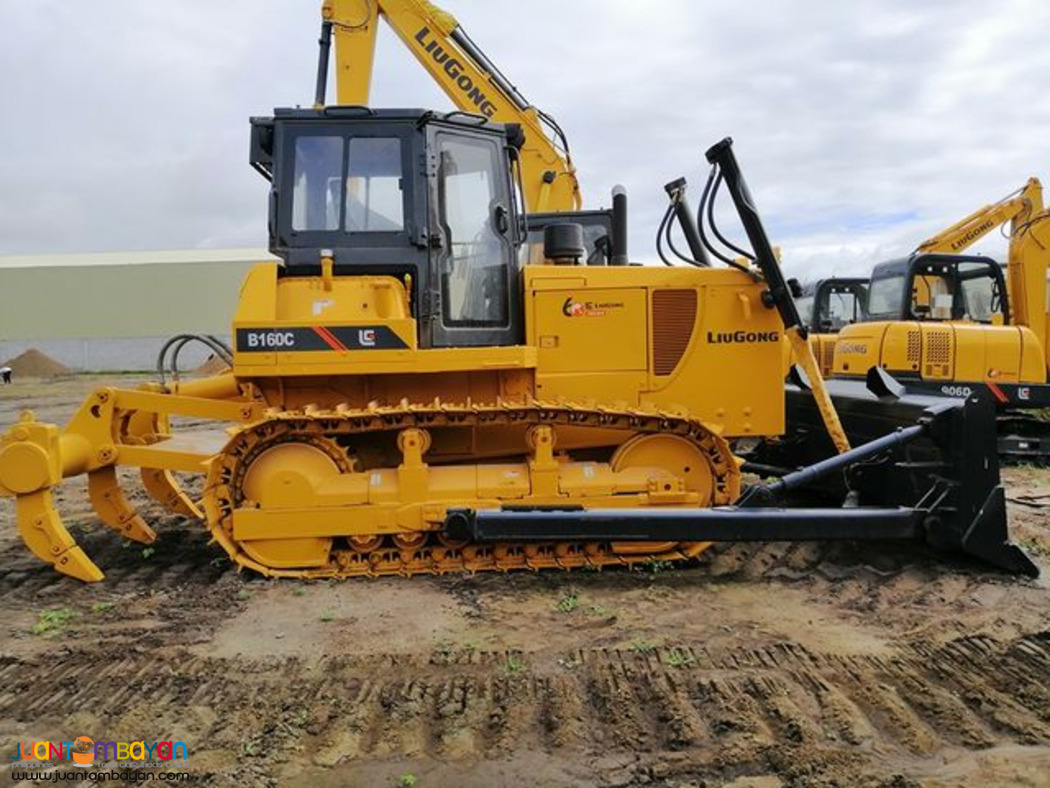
x,y
862,127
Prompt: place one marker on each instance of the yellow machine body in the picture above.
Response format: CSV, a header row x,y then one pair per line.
x,y
945,352
642,336
824,351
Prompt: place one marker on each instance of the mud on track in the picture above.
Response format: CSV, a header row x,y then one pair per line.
x,y
782,665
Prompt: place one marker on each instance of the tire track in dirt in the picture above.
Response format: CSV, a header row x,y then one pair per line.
x,y
975,693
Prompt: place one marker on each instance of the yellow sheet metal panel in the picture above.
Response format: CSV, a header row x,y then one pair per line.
x,y
591,329
861,346
938,352
594,329
1033,367
987,352
730,373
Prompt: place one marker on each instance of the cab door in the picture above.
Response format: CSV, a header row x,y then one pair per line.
x,y
474,271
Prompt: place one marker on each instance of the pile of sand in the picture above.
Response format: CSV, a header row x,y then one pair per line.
x,y
34,364
213,366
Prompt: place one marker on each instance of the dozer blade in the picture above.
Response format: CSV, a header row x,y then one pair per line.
x,y
950,471
114,509
47,538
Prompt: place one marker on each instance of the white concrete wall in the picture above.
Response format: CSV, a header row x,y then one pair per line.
x,y
107,355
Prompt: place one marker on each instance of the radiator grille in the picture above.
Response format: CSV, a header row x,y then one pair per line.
x,y
939,349
938,353
674,315
914,347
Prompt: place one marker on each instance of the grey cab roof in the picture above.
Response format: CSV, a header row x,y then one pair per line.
x,y
410,115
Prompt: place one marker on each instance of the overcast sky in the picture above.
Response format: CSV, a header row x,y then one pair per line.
x,y
862,126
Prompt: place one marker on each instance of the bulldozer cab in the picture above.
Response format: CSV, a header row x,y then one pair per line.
x,y
939,287
419,196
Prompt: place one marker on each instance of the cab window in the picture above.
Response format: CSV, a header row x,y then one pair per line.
x,y
844,308
317,183
884,298
374,200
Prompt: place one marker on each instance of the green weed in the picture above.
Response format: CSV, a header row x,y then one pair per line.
x,y
656,566
51,622
568,603
570,662
642,646
679,659
514,665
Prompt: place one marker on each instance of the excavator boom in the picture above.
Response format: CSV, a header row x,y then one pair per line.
x,y
465,74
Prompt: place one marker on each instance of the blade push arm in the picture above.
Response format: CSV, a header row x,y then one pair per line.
x,y
465,74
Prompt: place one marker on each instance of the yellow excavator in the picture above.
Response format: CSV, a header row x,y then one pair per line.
x,y
947,323
829,304
406,395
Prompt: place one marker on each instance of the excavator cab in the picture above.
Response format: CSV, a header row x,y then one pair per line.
x,y
829,304
421,197
939,288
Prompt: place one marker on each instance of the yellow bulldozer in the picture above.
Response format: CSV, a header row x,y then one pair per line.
x,y
407,395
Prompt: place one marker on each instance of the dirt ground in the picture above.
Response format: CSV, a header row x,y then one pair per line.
x,y
755,667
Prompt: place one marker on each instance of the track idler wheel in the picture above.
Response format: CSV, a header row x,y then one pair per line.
x,y
688,468
284,476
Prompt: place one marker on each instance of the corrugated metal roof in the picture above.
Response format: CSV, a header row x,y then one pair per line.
x,y
137,258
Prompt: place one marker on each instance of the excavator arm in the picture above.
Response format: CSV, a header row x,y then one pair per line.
x,y
1028,277
1016,208
467,77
